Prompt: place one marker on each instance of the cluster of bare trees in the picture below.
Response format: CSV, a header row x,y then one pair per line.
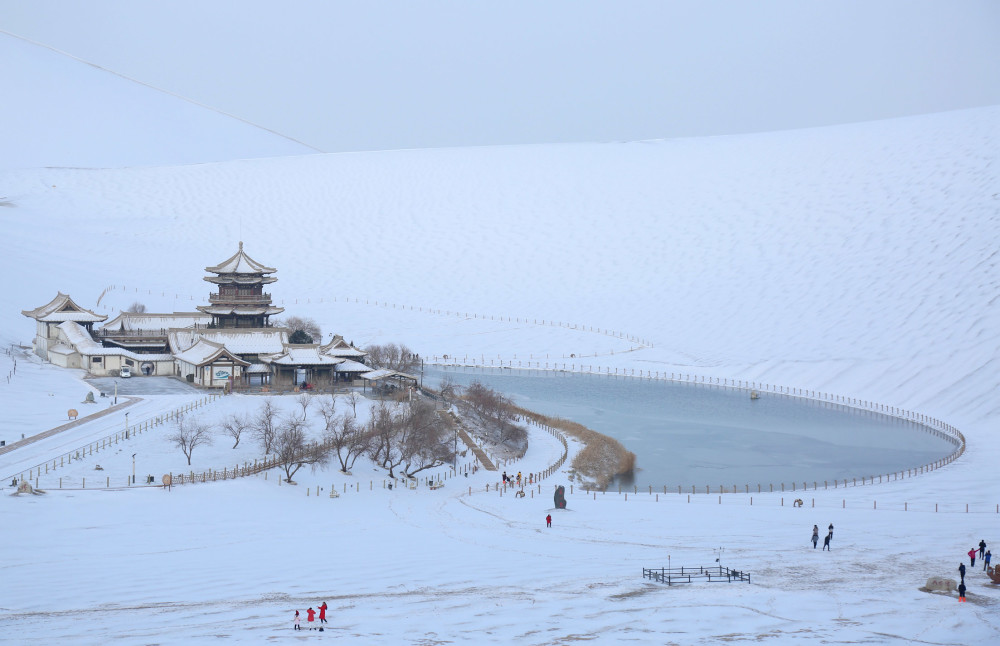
x,y
410,437
406,436
497,410
392,356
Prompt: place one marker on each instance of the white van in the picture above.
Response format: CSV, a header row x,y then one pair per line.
x,y
126,372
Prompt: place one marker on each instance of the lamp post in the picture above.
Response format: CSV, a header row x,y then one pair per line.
x,y
126,426
116,393
133,468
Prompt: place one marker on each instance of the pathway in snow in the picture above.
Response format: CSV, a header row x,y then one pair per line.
x,y
65,427
452,421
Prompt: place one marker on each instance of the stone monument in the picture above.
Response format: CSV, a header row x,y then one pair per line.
x,y
560,497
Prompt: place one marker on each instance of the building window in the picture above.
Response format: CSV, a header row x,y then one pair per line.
x,y
129,362
96,359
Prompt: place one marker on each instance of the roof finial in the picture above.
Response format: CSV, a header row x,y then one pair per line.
x,y
241,245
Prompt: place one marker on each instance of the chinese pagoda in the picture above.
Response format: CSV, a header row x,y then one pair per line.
x,y
241,301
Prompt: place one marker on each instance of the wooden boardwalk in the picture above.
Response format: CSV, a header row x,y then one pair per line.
x,y
453,422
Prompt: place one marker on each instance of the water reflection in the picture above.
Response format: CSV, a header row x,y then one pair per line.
x,y
695,434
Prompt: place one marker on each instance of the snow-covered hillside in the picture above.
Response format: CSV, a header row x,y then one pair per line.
x,y
859,260
70,113
856,259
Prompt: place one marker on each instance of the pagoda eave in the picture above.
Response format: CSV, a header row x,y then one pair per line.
x,y
240,311
240,280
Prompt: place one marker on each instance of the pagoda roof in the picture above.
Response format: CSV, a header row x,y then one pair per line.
x,y
241,279
269,340
302,355
81,341
62,308
206,352
340,348
155,323
378,375
240,263
243,310
353,366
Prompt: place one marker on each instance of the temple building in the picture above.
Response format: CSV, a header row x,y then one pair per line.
x,y
229,343
241,301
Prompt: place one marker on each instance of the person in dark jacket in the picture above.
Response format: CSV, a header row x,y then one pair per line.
x,y
826,542
961,591
982,548
322,613
986,561
961,570
815,535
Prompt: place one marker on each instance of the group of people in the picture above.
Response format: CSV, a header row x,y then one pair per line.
x,y
516,481
826,541
984,554
311,618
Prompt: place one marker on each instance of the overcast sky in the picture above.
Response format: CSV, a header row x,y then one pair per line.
x,y
407,74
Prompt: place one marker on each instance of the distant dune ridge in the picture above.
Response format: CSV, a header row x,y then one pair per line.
x,y
858,259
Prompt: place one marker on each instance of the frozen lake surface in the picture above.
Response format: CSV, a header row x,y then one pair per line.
x,y
686,434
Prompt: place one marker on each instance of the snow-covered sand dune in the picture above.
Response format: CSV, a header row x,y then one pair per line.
x,y
858,259
69,112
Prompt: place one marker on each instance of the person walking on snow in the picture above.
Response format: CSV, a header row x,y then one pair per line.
x,y
961,571
826,542
815,535
297,626
310,618
961,592
830,528
982,548
548,520
972,557
322,613
986,561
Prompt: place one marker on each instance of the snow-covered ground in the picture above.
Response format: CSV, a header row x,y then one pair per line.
x,y
859,260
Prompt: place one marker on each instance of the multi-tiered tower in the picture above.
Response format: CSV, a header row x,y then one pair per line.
x,y
241,301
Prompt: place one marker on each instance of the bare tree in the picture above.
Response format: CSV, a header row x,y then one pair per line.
x,y
234,425
425,440
383,429
293,450
306,325
353,398
497,410
188,435
304,400
136,308
393,357
449,389
504,416
328,409
347,439
265,425
408,435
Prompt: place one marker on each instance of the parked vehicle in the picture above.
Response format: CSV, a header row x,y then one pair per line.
x,y
125,373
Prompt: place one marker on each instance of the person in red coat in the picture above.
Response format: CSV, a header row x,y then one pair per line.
x,y
972,557
548,520
310,618
322,613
